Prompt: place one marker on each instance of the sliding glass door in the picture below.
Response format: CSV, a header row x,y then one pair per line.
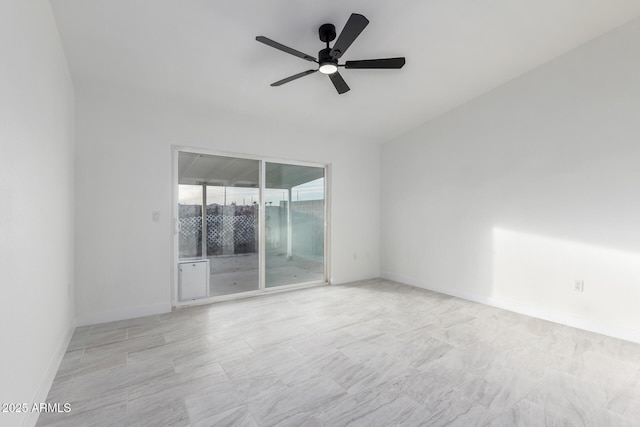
x,y
227,205
294,220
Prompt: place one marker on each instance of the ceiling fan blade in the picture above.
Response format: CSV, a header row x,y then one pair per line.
x,y
350,32
279,46
386,63
292,78
339,83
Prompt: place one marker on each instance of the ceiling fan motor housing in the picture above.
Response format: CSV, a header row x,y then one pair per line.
x,y
324,57
327,32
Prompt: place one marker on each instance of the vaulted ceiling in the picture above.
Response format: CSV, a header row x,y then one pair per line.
x,y
204,51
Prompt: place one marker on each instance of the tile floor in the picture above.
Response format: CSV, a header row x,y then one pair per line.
x,y
373,353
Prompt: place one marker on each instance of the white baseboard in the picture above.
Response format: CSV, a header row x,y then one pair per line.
x,y
42,392
122,314
626,334
339,280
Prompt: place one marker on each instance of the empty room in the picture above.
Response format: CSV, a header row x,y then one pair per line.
x,y
298,213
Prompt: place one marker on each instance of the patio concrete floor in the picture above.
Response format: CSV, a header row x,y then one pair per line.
x,y
232,274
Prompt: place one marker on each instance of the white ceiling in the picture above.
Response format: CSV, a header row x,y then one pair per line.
x,y
205,51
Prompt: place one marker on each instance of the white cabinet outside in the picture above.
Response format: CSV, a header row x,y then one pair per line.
x,y
194,279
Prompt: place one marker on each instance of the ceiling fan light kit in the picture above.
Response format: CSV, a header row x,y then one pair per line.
x,y
328,68
328,57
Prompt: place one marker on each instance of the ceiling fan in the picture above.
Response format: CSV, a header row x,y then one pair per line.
x,y
328,58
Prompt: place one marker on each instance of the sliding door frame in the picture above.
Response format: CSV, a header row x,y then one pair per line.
x,y
262,289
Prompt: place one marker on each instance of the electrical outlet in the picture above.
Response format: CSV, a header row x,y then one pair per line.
x,y
155,216
579,286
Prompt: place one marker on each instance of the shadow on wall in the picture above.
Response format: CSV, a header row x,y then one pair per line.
x,y
541,272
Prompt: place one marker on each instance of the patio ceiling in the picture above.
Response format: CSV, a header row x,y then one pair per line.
x,y
199,169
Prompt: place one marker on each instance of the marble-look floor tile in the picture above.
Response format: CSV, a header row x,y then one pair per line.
x,y
361,377
166,352
124,346
312,366
568,342
609,373
388,325
418,333
209,401
103,415
618,349
86,404
124,324
608,418
569,397
260,363
85,339
236,417
179,383
533,363
525,414
363,350
60,391
371,408
115,380
148,412
248,330
488,325
533,327
509,340
215,353
427,388
497,388
370,373
626,402
421,353
370,353
70,360
179,328
322,341
277,336
295,402
91,365
455,361
460,412
455,336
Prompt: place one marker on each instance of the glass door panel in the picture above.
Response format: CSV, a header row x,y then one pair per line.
x,y
232,239
228,236
190,217
294,224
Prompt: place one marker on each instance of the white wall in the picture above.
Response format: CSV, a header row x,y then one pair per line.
x,y
512,197
36,203
124,141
